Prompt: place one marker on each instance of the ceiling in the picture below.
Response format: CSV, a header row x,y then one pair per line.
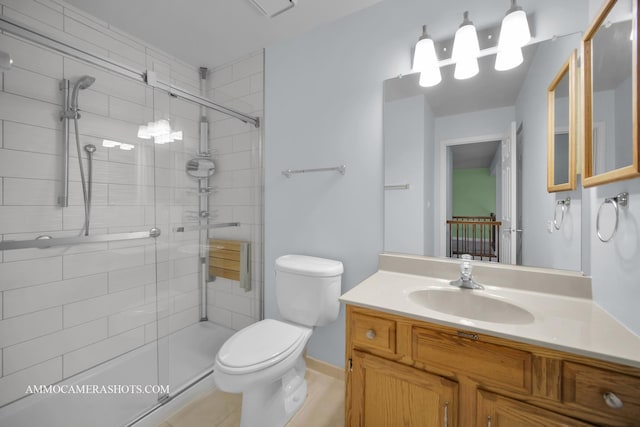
x,y
473,156
211,33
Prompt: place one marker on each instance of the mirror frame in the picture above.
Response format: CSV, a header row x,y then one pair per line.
x,y
627,172
568,69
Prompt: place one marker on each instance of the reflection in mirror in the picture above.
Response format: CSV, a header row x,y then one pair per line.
x,y
561,132
454,153
611,142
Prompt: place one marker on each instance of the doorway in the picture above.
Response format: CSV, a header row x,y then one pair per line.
x,y
479,209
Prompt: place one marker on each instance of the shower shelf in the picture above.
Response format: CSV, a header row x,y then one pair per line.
x,y
184,228
44,242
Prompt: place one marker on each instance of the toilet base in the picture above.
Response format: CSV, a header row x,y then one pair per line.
x,y
273,405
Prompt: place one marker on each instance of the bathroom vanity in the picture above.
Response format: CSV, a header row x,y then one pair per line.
x,y
541,354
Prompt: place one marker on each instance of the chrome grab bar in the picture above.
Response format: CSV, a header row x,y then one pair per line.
x,y
183,228
43,242
397,187
342,169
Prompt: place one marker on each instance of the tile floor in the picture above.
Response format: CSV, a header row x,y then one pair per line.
x,y
324,407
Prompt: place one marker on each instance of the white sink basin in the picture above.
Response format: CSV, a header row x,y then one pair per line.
x,y
471,304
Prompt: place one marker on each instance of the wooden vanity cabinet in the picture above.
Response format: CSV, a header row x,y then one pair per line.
x,y
499,411
405,372
386,393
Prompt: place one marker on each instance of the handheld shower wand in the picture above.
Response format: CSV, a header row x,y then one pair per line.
x,y
73,113
82,83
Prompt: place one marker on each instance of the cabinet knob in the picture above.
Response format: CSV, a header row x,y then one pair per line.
x,y
612,400
371,334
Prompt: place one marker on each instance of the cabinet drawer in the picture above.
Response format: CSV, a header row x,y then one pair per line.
x,y
488,364
585,388
499,411
373,332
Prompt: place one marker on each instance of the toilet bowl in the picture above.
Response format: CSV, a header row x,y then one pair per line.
x,y
264,361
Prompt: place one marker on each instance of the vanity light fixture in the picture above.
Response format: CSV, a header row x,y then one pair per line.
x,y
508,59
514,34
466,49
425,60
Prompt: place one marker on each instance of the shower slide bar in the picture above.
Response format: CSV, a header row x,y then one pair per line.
x,y
19,29
183,228
44,242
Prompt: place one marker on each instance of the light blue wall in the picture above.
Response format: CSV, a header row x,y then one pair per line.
x,y
615,266
477,123
430,214
559,249
323,106
404,157
623,123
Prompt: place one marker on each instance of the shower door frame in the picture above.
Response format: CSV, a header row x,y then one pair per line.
x,y
149,77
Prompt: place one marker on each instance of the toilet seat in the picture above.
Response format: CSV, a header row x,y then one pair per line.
x,y
260,345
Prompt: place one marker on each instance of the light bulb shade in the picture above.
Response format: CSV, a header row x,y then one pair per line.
x,y
466,68
514,31
430,77
508,59
424,55
465,44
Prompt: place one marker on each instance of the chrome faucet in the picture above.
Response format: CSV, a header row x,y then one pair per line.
x,y
466,279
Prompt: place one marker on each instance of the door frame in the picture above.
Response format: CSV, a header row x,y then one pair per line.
x,y
445,144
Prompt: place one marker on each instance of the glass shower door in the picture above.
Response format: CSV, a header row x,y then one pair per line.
x,y
180,205
77,279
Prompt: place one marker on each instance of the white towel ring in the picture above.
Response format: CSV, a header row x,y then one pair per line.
x,y
620,200
563,207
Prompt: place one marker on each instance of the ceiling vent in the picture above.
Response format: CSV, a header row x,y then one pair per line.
x,y
273,8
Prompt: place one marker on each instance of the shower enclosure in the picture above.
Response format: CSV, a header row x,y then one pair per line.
x,y
111,188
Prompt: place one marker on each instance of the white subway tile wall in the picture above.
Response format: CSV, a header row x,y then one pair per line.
x,y
65,309
238,183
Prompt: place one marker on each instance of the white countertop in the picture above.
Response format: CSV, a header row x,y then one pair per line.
x,y
565,323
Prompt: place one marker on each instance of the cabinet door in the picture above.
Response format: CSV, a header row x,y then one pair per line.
x,y
389,394
499,411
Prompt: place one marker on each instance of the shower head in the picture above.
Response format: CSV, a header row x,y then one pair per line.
x,y
90,148
82,83
85,81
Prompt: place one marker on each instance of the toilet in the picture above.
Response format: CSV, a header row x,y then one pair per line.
x,y
264,361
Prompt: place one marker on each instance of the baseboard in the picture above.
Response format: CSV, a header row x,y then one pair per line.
x,y
324,368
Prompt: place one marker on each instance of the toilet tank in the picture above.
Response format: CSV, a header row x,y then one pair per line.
x,y
308,288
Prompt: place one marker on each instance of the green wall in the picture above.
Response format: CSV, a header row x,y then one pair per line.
x,y
474,192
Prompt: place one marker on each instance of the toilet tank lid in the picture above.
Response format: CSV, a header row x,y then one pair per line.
x,y
309,266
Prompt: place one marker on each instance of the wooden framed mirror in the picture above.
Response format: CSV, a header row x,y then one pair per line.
x,y
561,128
610,94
